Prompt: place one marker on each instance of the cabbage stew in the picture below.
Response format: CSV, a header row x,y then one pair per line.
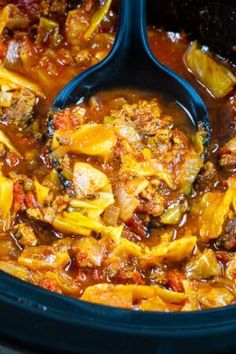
x,y
115,200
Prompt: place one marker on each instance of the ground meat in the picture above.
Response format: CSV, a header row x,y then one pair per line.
x,y
152,202
130,235
162,140
129,277
150,207
227,240
228,161
21,110
223,256
145,115
68,119
37,8
56,6
206,178
31,7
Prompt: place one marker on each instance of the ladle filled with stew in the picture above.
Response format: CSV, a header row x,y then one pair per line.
x,y
131,64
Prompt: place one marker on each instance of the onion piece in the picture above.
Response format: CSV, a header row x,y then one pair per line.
x,y
125,130
127,203
111,215
12,57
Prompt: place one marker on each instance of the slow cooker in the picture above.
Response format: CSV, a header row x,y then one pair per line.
x,y
34,320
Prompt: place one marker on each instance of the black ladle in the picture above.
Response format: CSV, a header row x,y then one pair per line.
x,y
131,64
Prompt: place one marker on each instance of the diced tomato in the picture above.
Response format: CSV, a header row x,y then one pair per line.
x,y
234,273
95,274
64,57
30,200
131,236
63,120
18,196
133,277
136,225
22,199
175,280
61,201
225,151
121,278
138,279
223,256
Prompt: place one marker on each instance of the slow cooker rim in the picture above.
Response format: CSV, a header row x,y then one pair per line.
x,y
41,302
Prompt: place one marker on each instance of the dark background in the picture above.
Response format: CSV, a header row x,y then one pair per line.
x,y
212,22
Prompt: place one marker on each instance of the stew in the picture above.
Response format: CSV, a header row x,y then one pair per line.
x,y
115,200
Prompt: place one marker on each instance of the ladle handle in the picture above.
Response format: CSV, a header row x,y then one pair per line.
x,y
132,33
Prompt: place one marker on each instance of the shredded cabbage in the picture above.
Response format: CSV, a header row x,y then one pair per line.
x,y
127,295
6,199
14,78
90,139
215,77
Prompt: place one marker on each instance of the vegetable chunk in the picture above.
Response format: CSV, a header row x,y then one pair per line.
x,y
97,18
43,257
203,267
6,199
90,139
88,180
210,212
215,77
174,251
125,295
